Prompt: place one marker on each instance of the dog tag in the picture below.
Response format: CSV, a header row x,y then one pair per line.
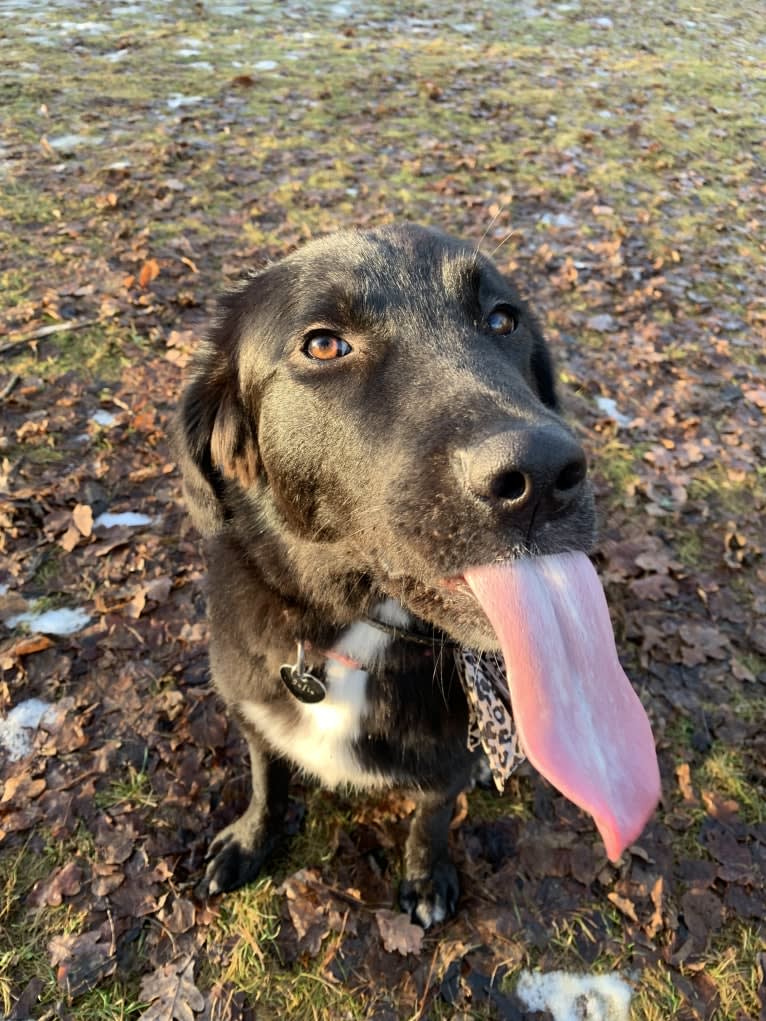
x,y
303,685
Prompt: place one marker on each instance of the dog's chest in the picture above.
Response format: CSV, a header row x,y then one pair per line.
x,y
322,742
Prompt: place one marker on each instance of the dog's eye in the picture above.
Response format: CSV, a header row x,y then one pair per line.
x,y
325,347
502,320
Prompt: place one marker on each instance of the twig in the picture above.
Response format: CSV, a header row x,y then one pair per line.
x,y
46,331
9,386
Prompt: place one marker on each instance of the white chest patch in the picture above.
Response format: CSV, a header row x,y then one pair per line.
x,y
322,742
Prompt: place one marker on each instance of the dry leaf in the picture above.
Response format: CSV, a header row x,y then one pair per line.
x,y
70,538
82,516
398,933
83,961
64,882
171,992
149,271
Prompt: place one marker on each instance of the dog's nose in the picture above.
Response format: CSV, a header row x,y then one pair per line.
x,y
541,467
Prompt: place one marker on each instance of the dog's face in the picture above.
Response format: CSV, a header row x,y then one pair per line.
x,y
384,402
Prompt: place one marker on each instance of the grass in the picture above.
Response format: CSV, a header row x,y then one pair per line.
x,y
24,935
133,791
724,772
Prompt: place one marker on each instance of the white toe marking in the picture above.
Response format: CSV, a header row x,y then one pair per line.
x,y
571,997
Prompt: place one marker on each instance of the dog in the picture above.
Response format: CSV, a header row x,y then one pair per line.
x,y
368,417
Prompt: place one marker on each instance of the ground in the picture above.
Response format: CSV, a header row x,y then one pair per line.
x,y
610,155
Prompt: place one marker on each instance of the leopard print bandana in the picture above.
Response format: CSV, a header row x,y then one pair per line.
x,y
491,722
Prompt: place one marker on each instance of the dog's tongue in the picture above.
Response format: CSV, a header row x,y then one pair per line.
x,y
579,720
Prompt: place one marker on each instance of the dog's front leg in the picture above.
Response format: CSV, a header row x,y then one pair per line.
x,y
238,853
430,888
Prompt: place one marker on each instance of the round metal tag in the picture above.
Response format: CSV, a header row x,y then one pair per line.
x,y
303,686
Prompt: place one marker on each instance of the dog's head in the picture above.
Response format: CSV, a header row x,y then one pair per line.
x,y
384,403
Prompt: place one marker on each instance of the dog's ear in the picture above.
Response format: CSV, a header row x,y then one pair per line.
x,y
215,440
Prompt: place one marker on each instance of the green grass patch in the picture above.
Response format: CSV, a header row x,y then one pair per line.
x,y
724,771
134,790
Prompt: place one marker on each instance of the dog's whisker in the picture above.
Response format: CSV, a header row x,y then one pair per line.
x,y
497,248
500,209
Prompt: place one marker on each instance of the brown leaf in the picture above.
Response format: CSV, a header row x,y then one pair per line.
x,y
149,271
684,778
703,915
82,516
83,961
158,589
398,933
22,788
307,903
70,538
757,395
34,643
171,993
702,642
181,916
627,907
655,922
65,882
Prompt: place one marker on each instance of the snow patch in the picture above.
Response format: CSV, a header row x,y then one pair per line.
x,y
572,997
129,518
18,728
177,101
265,65
609,407
68,144
101,417
52,622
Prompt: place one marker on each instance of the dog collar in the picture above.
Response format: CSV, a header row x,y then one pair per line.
x,y
419,637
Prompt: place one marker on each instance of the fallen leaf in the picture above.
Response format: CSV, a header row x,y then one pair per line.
x,y
82,516
171,993
82,961
180,918
34,643
701,643
149,271
398,933
627,907
684,778
22,788
64,882
70,538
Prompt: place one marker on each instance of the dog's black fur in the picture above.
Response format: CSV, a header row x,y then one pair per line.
x,y
327,489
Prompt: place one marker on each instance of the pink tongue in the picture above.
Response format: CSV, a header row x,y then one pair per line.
x,y
579,720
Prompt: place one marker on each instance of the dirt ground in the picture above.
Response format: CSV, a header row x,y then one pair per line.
x,y
611,156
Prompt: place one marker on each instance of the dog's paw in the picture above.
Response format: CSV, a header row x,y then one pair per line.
x,y
233,861
431,899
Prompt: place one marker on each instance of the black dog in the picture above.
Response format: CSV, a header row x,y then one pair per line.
x,y
369,416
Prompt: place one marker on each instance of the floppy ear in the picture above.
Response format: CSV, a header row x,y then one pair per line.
x,y
215,442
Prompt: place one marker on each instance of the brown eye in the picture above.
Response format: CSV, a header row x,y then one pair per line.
x,y
502,320
326,346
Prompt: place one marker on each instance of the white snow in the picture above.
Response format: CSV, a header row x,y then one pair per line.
x,y
129,518
265,65
609,407
52,622
176,101
101,417
572,997
18,728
